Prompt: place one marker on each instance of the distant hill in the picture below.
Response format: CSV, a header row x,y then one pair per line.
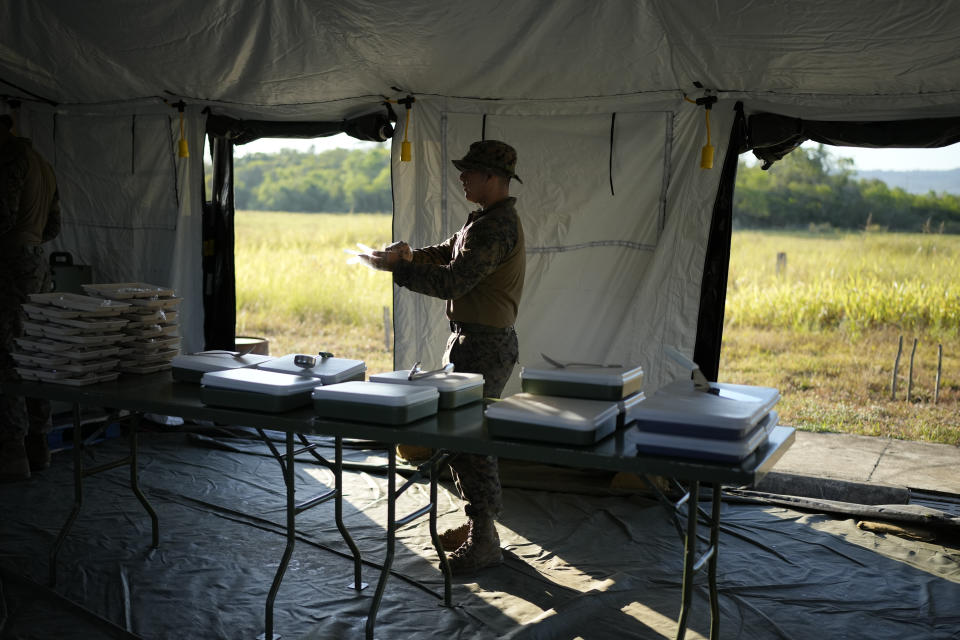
x,y
917,182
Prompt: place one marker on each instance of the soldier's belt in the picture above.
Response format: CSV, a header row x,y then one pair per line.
x,y
472,327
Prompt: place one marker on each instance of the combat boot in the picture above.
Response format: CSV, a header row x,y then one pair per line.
x,y
480,551
453,538
413,454
14,465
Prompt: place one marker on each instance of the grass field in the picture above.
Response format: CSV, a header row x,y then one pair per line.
x,y
824,330
295,288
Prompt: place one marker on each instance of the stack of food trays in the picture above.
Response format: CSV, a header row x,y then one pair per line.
x,y
573,403
70,339
151,335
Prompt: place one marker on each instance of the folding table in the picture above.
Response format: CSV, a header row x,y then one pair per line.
x,y
460,430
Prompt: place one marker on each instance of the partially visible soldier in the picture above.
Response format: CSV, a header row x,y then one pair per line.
x,y
480,272
29,216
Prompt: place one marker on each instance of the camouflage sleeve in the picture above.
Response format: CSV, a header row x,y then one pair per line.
x,y
437,254
14,176
484,245
52,229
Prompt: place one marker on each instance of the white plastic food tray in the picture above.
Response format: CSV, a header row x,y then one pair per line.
x,y
552,419
582,381
379,402
707,448
729,413
456,389
327,370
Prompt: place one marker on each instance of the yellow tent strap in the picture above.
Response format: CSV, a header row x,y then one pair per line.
x,y
706,153
405,145
183,151
405,155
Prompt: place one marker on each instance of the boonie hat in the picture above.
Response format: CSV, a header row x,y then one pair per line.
x,y
490,155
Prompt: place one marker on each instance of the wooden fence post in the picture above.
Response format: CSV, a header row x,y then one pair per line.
x,y
936,389
896,367
913,352
781,263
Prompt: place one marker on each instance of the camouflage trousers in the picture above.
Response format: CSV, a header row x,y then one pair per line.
x,y
28,274
494,355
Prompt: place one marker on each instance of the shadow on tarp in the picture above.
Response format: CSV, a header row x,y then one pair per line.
x,y
577,564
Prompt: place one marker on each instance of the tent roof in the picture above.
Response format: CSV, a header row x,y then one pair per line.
x,y
333,59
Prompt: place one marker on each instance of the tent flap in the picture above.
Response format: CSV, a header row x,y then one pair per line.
x,y
772,136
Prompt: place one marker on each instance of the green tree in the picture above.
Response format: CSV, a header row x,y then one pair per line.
x,y
813,187
338,180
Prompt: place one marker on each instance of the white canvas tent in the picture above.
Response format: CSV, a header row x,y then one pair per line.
x,y
627,236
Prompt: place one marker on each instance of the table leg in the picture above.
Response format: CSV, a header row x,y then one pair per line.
x,y
391,540
288,479
712,562
135,480
444,563
338,514
689,558
77,493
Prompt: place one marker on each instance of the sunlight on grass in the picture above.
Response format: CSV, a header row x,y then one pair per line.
x,y
295,288
853,281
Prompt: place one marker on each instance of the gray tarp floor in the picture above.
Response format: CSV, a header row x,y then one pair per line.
x,y
581,561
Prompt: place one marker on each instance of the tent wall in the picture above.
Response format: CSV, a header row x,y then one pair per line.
x,y
617,225
131,208
613,273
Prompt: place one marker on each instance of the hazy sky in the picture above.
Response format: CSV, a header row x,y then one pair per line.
x,y
865,159
272,145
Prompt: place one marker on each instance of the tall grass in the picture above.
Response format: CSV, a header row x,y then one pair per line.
x,y
851,281
295,288
294,264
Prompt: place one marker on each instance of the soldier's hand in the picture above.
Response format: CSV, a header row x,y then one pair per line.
x,y
402,248
381,260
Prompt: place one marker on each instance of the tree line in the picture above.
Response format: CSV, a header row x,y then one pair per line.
x,y
335,181
813,188
809,188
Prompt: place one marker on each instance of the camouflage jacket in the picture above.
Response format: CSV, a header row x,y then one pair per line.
x,y
479,270
29,201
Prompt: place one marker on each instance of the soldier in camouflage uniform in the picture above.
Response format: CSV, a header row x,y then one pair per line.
x,y
29,216
480,272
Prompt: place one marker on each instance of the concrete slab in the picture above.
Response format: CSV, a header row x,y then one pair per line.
x,y
920,465
833,455
855,464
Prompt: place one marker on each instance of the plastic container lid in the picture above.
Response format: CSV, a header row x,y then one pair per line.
x,y
443,382
259,381
735,407
217,360
571,413
329,370
597,375
378,393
